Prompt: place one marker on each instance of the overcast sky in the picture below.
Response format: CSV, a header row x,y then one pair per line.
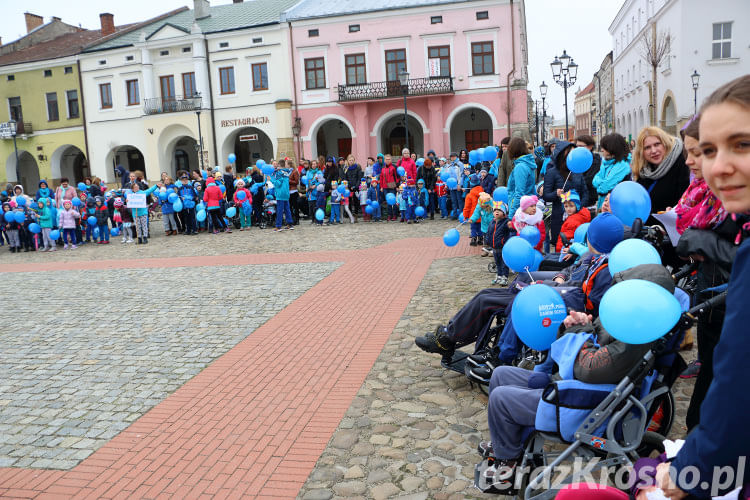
x,y
580,26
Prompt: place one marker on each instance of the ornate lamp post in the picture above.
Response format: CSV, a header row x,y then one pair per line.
x,y
403,78
696,79
564,72
543,90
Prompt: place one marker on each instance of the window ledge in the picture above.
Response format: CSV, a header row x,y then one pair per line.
x,y
667,72
719,62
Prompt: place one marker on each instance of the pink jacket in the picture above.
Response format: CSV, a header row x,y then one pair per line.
x,y
67,218
64,194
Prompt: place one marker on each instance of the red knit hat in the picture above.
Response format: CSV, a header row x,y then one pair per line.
x,y
210,180
410,182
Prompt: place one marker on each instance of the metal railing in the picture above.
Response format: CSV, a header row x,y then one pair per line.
x,y
174,104
24,128
384,90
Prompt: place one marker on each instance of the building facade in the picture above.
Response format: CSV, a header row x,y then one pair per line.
x,y
585,110
604,95
185,90
557,131
40,84
466,65
712,38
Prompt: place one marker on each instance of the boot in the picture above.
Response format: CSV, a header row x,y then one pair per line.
x,y
473,241
145,240
432,216
437,342
140,240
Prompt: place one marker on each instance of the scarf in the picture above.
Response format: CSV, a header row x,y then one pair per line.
x,y
521,219
699,208
655,173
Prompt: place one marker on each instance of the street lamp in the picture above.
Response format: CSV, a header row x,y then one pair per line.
x,y
543,90
198,103
696,78
13,125
564,72
403,78
296,131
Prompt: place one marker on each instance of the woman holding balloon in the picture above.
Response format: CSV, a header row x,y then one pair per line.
x,y
561,177
522,177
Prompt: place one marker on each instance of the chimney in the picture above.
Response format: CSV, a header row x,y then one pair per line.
x,y
201,9
236,1
55,18
108,23
32,21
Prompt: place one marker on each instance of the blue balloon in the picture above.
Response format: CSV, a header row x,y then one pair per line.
x,y
419,212
200,206
480,155
347,193
35,228
580,235
320,214
630,253
445,175
451,237
578,248
188,203
452,183
163,196
341,189
54,235
9,217
95,232
518,254
490,153
537,312
390,198
232,158
369,210
259,163
201,215
222,188
254,188
177,206
114,232
241,195
303,180
231,212
629,200
401,171
500,194
81,186
530,234
21,201
267,169
579,160
204,174
373,203
638,311
473,157
538,258
77,202
91,221
172,197
420,162
461,218
19,217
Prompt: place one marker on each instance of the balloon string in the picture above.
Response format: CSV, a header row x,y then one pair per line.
x,y
566,181
527,272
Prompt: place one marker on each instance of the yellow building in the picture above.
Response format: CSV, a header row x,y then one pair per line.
x,y
40,85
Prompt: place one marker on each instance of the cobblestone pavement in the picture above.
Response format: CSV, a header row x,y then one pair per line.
x,y
364,414
95,360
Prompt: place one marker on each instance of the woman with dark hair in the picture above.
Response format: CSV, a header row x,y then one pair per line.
x,y
463,158
615,167
558,180
259,195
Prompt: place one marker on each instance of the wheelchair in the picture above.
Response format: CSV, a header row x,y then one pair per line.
x,y
616,432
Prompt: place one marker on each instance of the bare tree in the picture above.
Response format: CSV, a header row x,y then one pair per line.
x,y
655,48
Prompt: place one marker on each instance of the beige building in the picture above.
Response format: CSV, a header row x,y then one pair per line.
x,y
585,109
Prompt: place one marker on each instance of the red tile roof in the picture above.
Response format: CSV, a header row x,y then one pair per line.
x,y
589,88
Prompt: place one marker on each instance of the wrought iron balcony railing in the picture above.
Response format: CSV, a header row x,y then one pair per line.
x,y
384,90
171,104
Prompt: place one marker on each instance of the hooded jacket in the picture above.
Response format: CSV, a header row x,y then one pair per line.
x,y
554,180
499,232
212,196
44,215
101,212
23,194
571,224
388,174
485,217
353,176
471,201
610,174
410,167
44,192
521,181
281,184
67,218
428,175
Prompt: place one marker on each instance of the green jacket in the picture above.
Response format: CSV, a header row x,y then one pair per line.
x,y
45,217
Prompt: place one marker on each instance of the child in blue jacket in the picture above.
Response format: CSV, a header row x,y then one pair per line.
x,y
423,196
373,194
497,234
483,215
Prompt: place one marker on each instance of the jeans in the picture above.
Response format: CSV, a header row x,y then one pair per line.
x,y
103,232
431,204
69,232
392,209
502,269
512,407
476,229
188,217
89,231
375,212
443,203
335,213
457,203
410,215
283,211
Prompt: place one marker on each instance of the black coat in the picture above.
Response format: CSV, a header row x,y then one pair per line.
x,y
666,192
353,176
588,177
429,176
554,180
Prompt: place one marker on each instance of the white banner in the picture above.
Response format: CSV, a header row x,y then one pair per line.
x,y
6,132
434,67
137,200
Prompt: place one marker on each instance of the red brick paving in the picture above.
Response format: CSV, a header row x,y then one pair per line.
x,y
249,424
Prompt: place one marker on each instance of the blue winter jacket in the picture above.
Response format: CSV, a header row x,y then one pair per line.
x,y
312,193
424,198
137,212
281,185
373,194
499,232
554,180
610,174
166,205
188,192
521,181
483,216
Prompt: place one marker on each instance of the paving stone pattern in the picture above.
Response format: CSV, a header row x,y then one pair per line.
x,y
85,354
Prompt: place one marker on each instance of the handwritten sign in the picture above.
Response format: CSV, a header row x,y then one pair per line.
x,y
137,200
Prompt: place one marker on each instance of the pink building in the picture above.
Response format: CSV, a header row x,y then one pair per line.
x,y
466,64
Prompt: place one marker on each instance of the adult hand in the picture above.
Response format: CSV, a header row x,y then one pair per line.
x,y
577,318
560,192
664,481
697,257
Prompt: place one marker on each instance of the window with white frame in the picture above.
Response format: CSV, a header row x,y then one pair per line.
x,y
722,41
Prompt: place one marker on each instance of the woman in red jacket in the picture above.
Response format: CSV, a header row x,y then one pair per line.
x,y
212,197
576,217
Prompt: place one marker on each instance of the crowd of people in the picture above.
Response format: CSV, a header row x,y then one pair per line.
x,y
703,177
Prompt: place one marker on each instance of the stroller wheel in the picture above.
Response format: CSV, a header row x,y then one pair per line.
x,y
492,267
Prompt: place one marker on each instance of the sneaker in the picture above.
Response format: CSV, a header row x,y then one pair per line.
x,y
500,280
277,230
229,230
500,475
485,356
53,249
291,228
130,240
485,448
42,249
486,252
692,370
73,247
437,342
473,242
65,246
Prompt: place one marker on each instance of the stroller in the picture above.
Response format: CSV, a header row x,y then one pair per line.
x,y
614,428
268,216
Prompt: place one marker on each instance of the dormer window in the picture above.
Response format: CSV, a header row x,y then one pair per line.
x,y
163,52
223,45
258,40
353,28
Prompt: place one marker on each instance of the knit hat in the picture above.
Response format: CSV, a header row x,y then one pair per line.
x,y
572,195
528,201
67,202
118,202
485,200
420,181
539,153
409,182
604,232
374,181
499,205
473,180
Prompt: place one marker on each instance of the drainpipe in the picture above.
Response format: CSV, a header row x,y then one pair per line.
x,y
294,88
211,93
82,108
599,116
513,69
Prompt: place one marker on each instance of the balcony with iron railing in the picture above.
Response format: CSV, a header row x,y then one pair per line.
x,y
387,90
171,104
